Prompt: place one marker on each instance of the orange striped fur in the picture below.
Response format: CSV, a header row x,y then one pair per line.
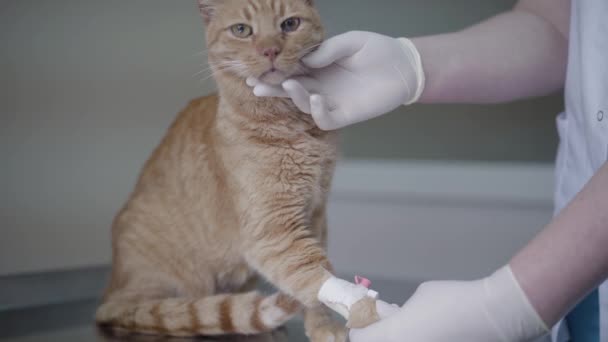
x,y
237,188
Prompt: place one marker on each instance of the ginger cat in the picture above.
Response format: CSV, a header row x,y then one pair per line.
x,y
236,189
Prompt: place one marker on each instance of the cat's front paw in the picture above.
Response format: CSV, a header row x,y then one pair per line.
x,y
330,332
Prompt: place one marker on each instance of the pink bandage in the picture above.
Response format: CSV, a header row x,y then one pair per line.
x,y
363,281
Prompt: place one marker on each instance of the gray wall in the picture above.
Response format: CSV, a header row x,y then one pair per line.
x,y
87,89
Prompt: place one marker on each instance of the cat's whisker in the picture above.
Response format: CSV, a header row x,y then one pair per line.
x,y
312,47
218,65
200,53
202,72
305,51
302,69
219,70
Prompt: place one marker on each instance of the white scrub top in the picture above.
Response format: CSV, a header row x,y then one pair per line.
x,y
583,127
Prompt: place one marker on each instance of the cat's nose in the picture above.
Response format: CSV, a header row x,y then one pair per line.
x,y
271,52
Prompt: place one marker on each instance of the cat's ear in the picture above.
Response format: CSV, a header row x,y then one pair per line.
x,y
208,9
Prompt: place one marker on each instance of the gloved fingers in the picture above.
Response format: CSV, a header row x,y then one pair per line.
x,y
385,309
299,95
261,89
326,119
311,84
252,81
318,108
267,90
334,49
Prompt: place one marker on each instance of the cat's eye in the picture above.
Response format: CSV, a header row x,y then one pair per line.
x,y
290,24
241,30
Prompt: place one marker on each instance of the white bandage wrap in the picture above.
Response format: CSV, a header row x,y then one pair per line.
x,y
340,295
415,60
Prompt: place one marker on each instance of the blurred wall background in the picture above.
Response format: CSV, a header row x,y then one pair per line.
x,y
87,89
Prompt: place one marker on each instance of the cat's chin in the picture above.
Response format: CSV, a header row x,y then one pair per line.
x,y
273,77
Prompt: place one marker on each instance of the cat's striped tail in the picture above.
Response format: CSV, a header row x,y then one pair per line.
x,y
247,313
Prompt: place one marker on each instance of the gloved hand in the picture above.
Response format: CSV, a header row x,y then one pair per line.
x,y
489,310
355,76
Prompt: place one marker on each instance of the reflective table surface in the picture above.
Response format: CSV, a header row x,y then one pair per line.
x,y
73,321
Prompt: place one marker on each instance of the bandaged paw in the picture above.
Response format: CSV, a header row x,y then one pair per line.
x,y
363,313
349,300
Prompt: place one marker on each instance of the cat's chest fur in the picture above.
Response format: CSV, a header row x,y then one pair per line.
x,y
283,158
300,162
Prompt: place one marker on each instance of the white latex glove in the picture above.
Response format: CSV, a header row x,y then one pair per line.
x,y
494,309
355,77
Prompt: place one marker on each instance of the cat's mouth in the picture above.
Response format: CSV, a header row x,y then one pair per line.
x,y
273,76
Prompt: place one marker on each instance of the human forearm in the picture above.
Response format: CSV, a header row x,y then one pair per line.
x,y
357,76
571,254
513,55
520,301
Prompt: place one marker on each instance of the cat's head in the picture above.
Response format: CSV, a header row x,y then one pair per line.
x,y
260,38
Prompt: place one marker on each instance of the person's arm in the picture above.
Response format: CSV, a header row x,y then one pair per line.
x,y
570,257
517,54
357,76
549,276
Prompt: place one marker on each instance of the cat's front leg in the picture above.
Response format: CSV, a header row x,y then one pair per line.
x,y
280,245
319,322
278,242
